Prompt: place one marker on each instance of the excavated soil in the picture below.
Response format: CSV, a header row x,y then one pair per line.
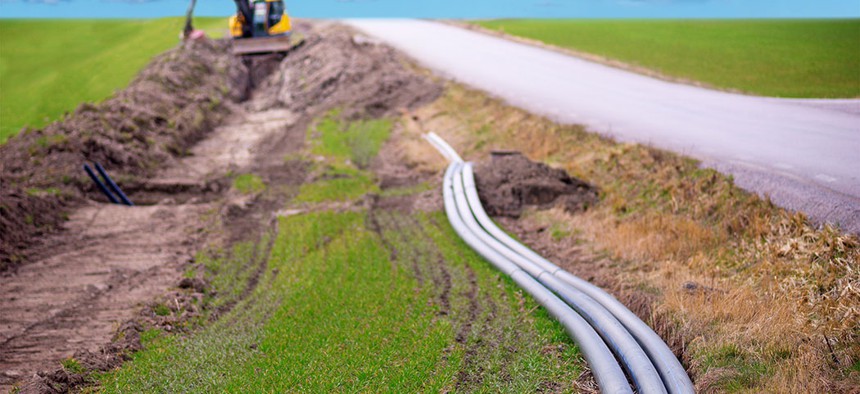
x,y
509,181
340,69
85,273
168,107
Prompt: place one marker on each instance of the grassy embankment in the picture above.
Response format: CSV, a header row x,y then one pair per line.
x,y
756,297
49,67
356,299
781,58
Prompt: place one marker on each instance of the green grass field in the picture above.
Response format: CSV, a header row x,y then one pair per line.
x,y
363,301
334,311
49,67
781,58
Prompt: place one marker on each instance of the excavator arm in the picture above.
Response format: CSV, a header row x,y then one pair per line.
x,y
247,15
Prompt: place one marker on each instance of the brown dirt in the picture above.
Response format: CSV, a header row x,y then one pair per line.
x,y
168,107
89,280
509,181
345,70
111,264
126,341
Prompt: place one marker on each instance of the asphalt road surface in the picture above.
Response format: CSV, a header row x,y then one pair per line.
x,y
804,154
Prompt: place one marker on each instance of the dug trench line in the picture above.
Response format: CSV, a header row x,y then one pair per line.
x,y
65,295
173,137
587,312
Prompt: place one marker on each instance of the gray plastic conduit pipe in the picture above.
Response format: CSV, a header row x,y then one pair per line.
x,y
633,358
608,374
443,147
671,371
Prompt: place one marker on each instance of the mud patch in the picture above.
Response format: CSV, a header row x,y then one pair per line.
x,y
405,185
82,283
509,181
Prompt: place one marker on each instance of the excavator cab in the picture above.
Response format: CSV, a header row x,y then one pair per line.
x,y
261,26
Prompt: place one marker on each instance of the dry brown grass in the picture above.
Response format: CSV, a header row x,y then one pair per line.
x,y
415,151
762,299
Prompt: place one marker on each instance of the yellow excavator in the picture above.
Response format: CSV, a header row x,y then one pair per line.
x,y
258,27
261,26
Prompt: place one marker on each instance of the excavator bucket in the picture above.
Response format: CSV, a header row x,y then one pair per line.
x,y
263,45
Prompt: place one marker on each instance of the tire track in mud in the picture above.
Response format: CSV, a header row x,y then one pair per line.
x,y
405,229
419,256
464,377
487,322
471,334
393,253
258,262
442,279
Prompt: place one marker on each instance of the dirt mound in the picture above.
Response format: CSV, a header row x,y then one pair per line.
x,y
25,215
336,67
170,105
509,181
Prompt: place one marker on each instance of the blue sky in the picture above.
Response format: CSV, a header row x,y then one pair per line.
x,y
448,8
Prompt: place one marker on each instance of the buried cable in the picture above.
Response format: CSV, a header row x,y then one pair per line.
x,y
114,187
100,184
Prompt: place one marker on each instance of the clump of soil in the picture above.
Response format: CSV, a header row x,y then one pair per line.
x,y
336,67
64,380
169,106
509,181
24,216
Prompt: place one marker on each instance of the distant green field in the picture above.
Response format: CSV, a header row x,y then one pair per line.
x,y
48,67
781,58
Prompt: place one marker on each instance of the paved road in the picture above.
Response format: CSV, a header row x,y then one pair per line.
x,y
804,154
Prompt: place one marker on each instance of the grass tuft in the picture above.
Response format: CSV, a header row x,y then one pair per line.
x,y
161,310
248,184
355,143
72,366
345,150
